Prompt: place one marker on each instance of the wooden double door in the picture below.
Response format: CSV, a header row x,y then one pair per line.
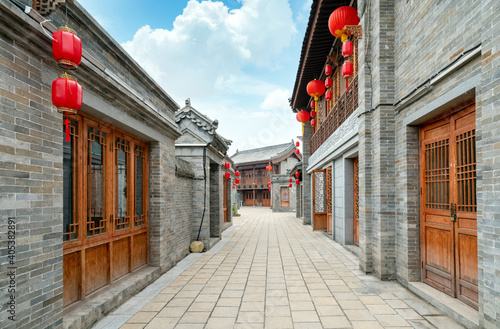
x,y
448,204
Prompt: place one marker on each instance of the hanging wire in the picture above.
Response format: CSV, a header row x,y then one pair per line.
x,y
45,30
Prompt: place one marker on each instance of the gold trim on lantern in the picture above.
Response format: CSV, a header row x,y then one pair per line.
x,y
67,76
65,28
67,64
67,110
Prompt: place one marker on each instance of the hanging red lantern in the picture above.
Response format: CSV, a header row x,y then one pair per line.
x,y
303,116
341,17
269,183
315,89
328,82
347,49
328,69
297,174
313,114
297,144
313,123
66,48
347,70
328,95
227,174
297,151
313,104
297,181
67,96
237,181
290,185
227,165
269,188
269,167
237,173
290,180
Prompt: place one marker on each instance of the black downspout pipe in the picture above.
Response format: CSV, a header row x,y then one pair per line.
x,y
205,189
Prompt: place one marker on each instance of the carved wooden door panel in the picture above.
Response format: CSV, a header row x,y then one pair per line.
x,y
285,197
319,200
448,202
329,201
356,201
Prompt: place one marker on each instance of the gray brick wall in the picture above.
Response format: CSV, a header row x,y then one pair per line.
x,y
279,181
31,188
488,149
216,176
306,178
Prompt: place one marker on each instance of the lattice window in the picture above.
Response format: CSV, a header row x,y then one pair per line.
x,y
140,161
329,192
319,191
70,185
437,175
96,223
466,171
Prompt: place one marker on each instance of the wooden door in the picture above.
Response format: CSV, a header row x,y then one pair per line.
x,y
266,201
248,198
224,200
448,204
329,201
356,201
319,200
285,197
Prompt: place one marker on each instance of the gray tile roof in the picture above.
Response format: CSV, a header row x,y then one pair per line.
x,y
262,154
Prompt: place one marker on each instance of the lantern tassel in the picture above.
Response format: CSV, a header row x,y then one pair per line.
x,y
303,124
347,84
67,122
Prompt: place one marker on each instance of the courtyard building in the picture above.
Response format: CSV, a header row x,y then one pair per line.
x,y
260,187
400,167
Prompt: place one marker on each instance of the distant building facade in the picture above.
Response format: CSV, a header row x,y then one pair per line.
x,y
402,166
254,188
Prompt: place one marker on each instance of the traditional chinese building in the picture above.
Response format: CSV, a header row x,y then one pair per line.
x,y
98,214
402,164
254,188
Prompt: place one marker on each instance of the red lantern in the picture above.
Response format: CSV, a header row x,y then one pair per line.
x,y
347,70
328,95
313,123
297,174
227,165
66,48
303,116
313,104
290,180
67,94
341,17
297,151
268,167
290,185
269,183
315,88
328,69
313,114
237,173
347,49
269,188
328,82
297,181
237,181
227,174
297,144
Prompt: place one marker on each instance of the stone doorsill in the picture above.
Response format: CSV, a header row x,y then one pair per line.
x,y
457,310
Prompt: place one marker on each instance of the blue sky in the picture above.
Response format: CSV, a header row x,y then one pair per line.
x,y
235,59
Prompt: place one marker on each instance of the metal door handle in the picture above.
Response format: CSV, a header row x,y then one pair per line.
x,y
453,214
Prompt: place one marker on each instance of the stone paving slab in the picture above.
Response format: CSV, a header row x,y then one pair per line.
x,y
270,271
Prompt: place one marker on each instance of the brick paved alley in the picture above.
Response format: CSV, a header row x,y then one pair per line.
x,y
270,271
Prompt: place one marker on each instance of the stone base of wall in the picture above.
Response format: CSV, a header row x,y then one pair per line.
x,y
85,314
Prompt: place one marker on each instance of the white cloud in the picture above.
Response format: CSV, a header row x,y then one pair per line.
x,y
277,100
210,45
